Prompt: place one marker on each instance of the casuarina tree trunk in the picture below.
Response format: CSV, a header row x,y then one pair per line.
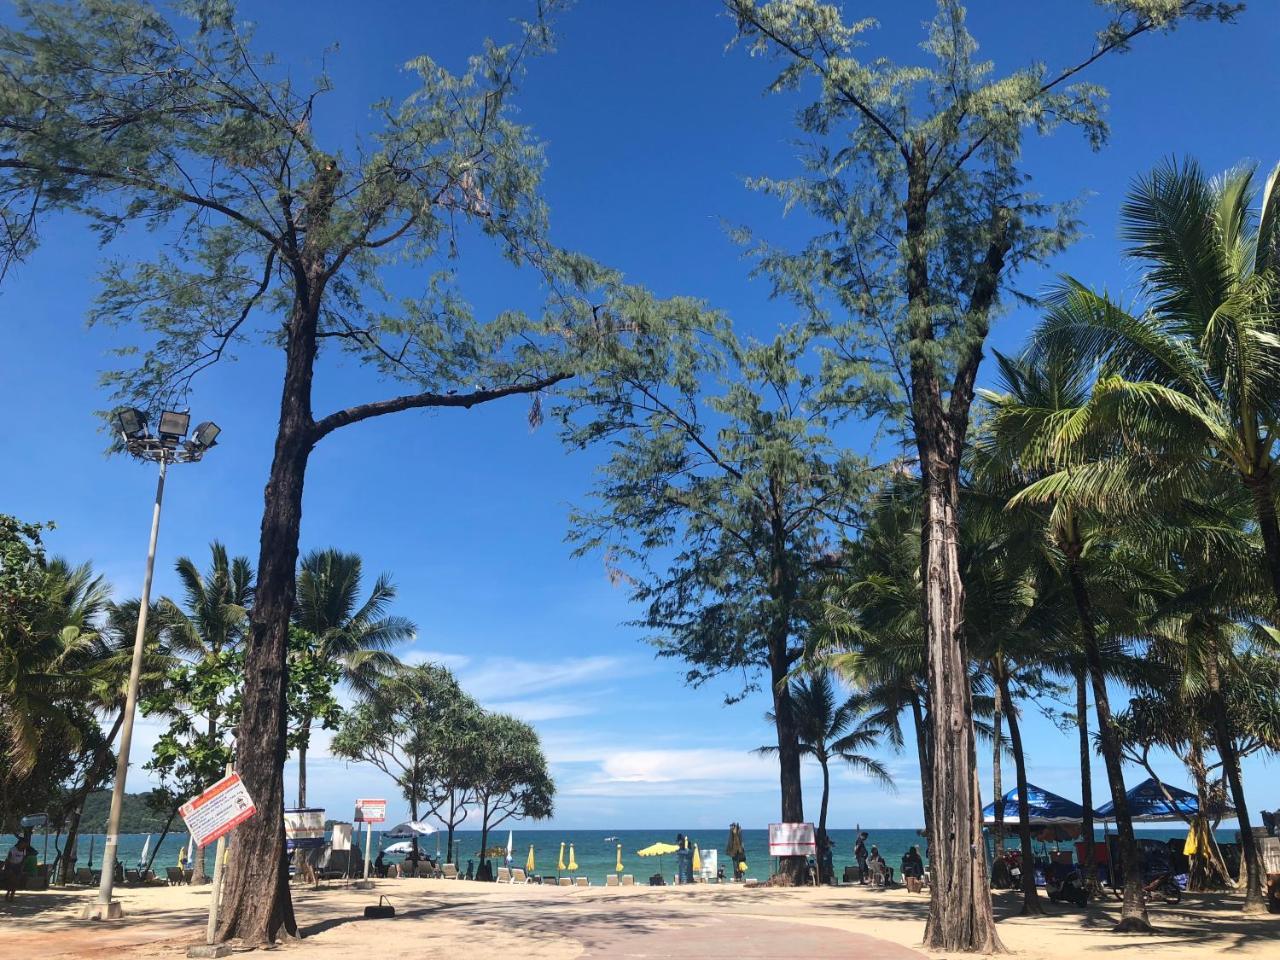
x,y
1086,772
997,781
960,915
1030,896
302,768
788,753
1133,914
256,903
163,833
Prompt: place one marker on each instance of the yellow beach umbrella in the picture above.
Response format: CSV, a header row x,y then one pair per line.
x,y
658,850
560,864
528,864
697,860
619,866
573,864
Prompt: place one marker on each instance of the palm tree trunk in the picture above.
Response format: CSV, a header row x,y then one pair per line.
x,y
302,764
926,761
1264,500
823,841
997,784
1030,895
1254,901
1133,913
92,778
1086,772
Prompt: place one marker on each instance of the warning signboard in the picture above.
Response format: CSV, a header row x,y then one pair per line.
x,y
218,811
371,811
791,840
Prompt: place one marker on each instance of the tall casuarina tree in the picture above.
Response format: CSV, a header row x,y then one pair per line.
x,y
917,172
280,232
722,500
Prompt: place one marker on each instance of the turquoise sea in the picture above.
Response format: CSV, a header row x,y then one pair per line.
x,y
595,854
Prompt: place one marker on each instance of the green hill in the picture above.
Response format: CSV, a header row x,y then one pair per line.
x,y
135,815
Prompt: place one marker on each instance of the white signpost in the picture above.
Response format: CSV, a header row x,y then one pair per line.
x,y
792,840
209,817
369,812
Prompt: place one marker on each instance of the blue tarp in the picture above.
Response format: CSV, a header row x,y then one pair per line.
x,y
1147,802
1045,807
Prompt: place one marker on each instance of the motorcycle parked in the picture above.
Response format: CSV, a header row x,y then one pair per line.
x,y
1066,884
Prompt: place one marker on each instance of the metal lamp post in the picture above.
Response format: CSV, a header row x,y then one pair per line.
x,y
169,445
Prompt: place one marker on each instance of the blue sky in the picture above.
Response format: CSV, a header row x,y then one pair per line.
x,y
650,126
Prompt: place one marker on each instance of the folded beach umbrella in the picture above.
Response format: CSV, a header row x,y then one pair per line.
x,y
560,863
510,848
528,864
146,848
618,868
573,864
697,860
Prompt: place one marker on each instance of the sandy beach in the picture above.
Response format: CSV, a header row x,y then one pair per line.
x,y
437,918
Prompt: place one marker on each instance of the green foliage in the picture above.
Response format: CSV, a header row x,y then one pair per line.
x,y
724,493
511,777
137,815
313,676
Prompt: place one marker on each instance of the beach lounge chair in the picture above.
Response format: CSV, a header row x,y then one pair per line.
x,y
517,876
84,876
628,880
451,871
131,877
175,876
564,882
188,874
611,880
504,875
583,882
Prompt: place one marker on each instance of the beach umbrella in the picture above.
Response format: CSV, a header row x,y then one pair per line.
x,y
1044,807
658,850
560,862
1147,802
510,849
618,868
573,864
409,829
146,848
404,846
697,860
528,864
91,839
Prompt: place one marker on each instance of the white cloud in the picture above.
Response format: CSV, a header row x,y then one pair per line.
x,y
513,677
685,765
454,661
538,710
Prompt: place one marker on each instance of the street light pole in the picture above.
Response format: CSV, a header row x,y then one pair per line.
x,y
168,447
105,903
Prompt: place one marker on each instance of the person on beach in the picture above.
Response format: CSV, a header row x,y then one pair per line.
x,y
860,855
13,864
912,865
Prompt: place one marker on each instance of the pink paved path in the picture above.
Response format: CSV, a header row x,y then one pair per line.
x,y
725,938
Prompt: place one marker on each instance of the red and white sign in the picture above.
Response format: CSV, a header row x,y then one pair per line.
x,y
792,840
218,810
371,811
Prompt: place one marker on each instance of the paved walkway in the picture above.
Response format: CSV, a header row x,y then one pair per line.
x,y
732,938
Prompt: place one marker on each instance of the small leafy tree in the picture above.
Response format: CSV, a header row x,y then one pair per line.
x,y
512,780
396,727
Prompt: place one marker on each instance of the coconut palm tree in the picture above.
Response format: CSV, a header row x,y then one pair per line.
x,y
1189,382
356,635
833,729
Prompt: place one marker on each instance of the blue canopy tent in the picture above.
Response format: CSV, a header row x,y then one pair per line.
x,y
1147,802
1045,808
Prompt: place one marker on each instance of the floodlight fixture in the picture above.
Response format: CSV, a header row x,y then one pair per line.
x,y
173,427
132,422
205,436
